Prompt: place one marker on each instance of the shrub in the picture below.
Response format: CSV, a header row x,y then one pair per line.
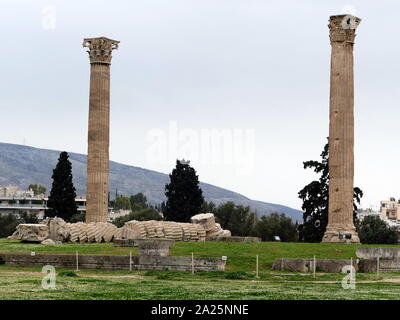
x,y
67,274
373,230
238,275
78,217
277,225
9,222
238,219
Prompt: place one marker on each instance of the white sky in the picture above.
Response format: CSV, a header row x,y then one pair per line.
x,y
260,67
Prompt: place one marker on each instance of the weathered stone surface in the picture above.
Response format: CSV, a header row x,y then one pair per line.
x,y
385,265
82,232
332,265
207,220
226,234
306,265
154,247
99,128
31,232
58,229
217,231
378,252
74,232
48,242
118,242
113,262
341,131
91,232
164,229
295,265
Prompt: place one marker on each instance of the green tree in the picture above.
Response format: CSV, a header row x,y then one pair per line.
x,y
236,218
9,222
315,197
277,224
61,201
209,207
26,217
373,230
184,196
37,189
138,201
122,203
79,217
144,214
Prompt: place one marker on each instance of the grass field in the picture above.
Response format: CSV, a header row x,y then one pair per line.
x,y
237,282
241,256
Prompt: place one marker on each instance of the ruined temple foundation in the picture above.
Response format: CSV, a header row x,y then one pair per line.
x,y
340,226
100,54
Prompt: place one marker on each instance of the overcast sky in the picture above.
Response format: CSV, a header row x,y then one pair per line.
x,y
256,72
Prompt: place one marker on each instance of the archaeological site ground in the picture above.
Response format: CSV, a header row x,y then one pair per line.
x,y
238,281
168,171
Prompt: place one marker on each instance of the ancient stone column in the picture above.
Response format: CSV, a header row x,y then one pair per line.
x,y
100,54
341,131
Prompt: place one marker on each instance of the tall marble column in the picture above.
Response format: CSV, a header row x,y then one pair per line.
x,y
100,54
341,131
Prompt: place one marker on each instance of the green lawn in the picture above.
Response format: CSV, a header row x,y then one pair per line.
x,y
25,283
241,256
237,282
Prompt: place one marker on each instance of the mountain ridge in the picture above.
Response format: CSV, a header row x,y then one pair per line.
x,y
22,165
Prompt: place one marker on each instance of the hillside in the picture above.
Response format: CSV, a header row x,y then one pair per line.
x,y
22,165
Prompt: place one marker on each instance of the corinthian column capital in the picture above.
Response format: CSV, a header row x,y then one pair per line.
x,y
100,49
342,28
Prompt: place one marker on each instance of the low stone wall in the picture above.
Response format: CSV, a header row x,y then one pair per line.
x,y
180,263
334,265
154,247
306,265
294,265
375,252
125,243
234,239
371,265
111,262
68,261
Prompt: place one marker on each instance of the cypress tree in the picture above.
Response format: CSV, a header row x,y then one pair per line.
x,y
184,196
61,201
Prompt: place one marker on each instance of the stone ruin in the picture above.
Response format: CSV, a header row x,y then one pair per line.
x,y
207,220
162,230
57,231
31,232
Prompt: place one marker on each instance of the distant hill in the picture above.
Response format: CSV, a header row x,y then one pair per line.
x,y
23,165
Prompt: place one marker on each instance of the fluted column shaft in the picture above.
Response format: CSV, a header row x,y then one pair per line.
x,y
99,128
341,130
98,144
